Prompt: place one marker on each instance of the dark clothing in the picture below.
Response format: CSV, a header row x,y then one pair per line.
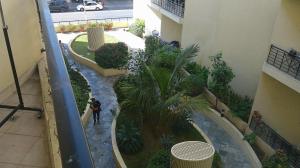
x,y
96,107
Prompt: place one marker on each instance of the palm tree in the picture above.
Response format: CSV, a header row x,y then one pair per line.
x,y
154,90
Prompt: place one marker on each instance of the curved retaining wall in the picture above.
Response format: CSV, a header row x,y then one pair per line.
x,y
87,112
91,64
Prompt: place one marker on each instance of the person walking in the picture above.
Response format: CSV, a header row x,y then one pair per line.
x,y
95,105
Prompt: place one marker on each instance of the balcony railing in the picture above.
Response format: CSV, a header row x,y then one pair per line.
x,y
277,142
284,61
73,145
174,6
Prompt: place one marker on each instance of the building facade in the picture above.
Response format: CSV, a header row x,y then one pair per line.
x,y
241,30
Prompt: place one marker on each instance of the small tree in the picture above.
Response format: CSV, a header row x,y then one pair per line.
x,y
221,76
138,27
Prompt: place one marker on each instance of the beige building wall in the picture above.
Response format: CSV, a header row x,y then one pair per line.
x,y
286,32
152,18
24,32
279,107
170,30
241,30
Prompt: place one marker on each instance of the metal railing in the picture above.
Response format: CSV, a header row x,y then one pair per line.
x,y
74,148
277,142
174,6
285,62
128,20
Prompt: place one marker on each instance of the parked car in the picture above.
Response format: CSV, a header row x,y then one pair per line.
x,y
58,6
90,5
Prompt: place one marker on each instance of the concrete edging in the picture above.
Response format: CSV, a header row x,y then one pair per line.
x,y
117,154
82,60
87,112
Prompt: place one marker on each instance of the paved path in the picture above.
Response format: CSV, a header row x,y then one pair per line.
x,y
91,15
230,151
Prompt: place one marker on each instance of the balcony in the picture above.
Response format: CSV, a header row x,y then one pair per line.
x,y
284,67
174,9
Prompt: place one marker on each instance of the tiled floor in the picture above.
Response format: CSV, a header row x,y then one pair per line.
x,y
23,142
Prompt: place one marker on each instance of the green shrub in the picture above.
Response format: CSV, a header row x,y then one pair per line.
x,y
112,55
160,160
182,123
278,160
196,69
80,86
239,105
250,138
60,28
217,163
129,138
152,44
71,28
138,27
167,141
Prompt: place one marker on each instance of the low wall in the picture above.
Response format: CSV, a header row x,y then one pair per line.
x,y
88,111
117,155
49,115
91,64
235,134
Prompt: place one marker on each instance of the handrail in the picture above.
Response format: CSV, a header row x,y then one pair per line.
x,y
282,60
175,7
74,148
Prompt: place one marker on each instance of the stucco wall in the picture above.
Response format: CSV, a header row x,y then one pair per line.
x,y
152,18
241,30
24,32
170,30
286,32
279,107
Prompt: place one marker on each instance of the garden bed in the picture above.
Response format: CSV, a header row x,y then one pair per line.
x,y
78,49
80,44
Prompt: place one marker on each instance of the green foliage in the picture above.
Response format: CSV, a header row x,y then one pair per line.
x,y
167,141
138,27
80,86
239,105
217,163
129,138
112,55
221,76
72,28
152,44
250,138
182,123
278,160
160,160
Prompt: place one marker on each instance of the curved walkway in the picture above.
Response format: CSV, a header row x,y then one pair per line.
x,y
231,154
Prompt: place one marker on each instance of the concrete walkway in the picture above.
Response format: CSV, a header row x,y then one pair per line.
x,y
230,151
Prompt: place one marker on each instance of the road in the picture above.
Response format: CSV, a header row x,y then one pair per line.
x,y
91,15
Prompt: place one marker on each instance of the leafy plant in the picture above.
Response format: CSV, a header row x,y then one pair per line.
x,y
138,27
217,163
167,141
160,160
129,138
154,91
239,105
112,55
221,76
278,160
250,138
71,28
152,44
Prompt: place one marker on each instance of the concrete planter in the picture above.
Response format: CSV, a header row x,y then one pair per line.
x,y
87,112
91,64
117,154
95,38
